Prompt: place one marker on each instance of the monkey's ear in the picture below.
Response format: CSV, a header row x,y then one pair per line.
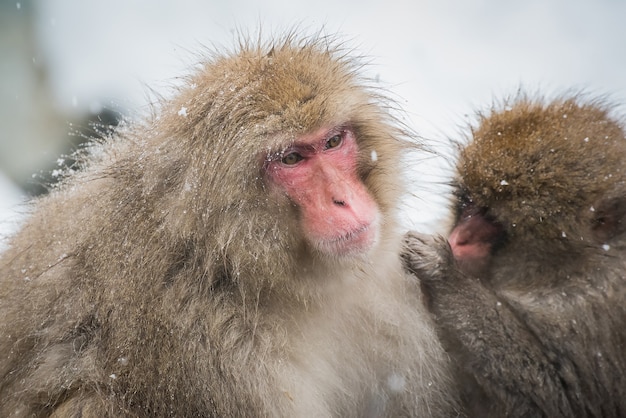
x,y
610,219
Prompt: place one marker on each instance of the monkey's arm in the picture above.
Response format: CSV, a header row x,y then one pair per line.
x,y
485,336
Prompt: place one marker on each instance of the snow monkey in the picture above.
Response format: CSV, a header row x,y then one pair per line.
x,y
529,292
236,253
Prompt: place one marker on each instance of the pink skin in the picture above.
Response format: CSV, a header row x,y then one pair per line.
x,y
472,240
319,174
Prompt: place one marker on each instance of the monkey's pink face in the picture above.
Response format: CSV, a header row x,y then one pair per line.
x,y
473,239
319,174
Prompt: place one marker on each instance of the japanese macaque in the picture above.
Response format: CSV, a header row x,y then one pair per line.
x,y
529,292
236,254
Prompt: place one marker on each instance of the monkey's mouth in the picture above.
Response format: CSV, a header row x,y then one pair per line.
x,y
355,241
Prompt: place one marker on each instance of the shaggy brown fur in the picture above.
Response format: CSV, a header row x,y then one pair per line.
x,y
164,279
542,330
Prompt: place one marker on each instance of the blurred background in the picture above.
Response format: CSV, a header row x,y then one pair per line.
x,y
66,64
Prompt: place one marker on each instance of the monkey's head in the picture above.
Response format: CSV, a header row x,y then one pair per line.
x,y
543,181
282,154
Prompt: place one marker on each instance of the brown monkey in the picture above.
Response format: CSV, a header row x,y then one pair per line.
x,y
529,295
237,254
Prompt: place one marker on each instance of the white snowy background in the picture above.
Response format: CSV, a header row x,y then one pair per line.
x,y
441,59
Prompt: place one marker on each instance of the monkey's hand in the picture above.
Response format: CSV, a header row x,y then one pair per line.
x,y
428,257
442,284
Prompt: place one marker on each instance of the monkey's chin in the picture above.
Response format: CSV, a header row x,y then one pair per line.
x,y
352,243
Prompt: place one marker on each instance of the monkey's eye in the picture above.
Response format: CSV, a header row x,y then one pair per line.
x,y
291,158
334,142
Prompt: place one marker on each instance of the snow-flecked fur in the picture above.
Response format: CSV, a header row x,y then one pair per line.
x,y
165,278
542,330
